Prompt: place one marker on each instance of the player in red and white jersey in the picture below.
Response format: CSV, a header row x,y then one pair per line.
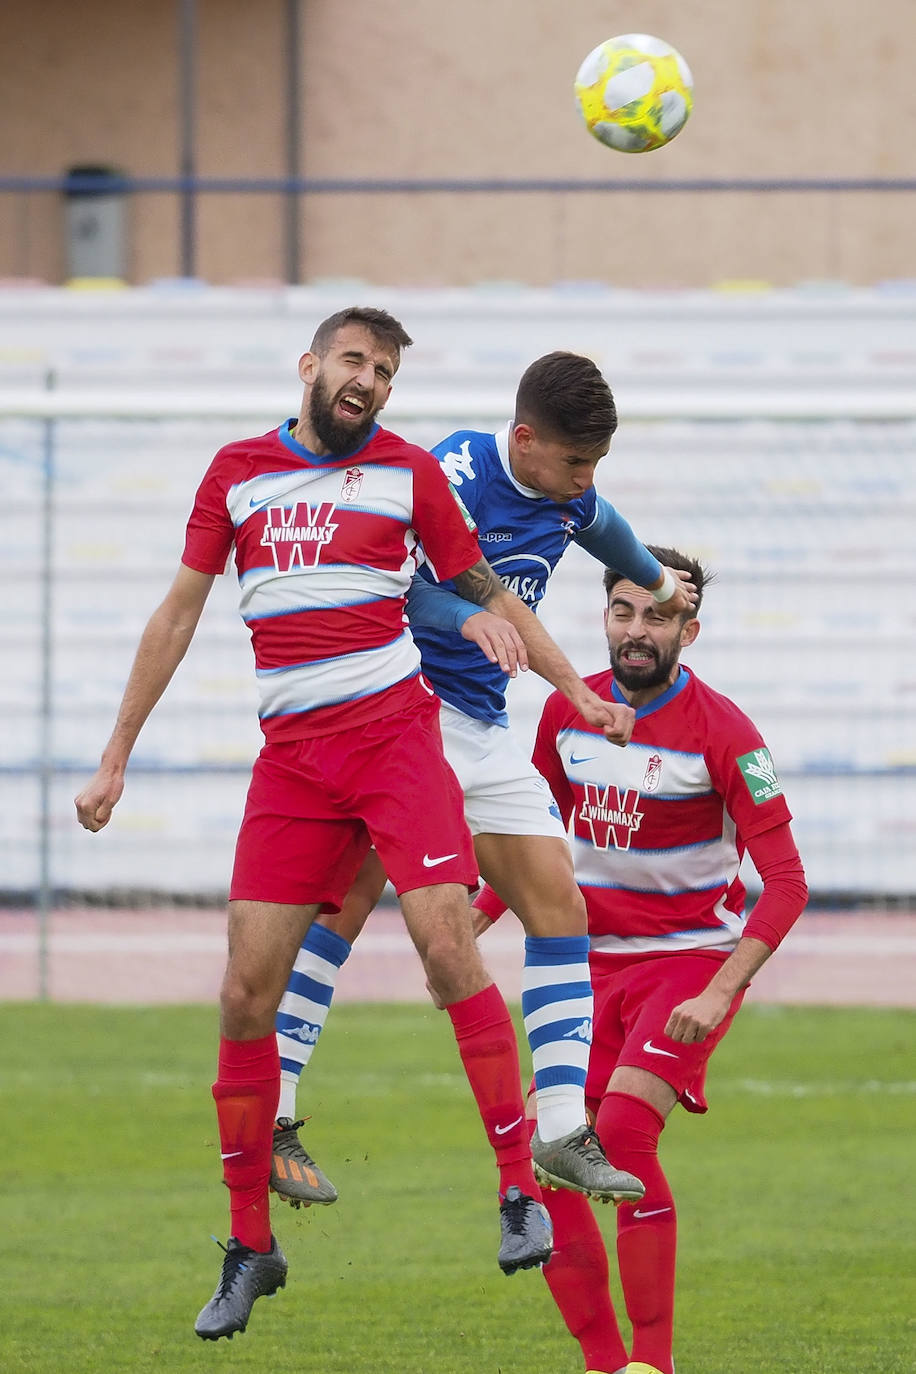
x,y
325,516
658,832
325,549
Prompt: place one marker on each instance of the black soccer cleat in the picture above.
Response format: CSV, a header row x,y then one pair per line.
x,y
246,1275
527,1232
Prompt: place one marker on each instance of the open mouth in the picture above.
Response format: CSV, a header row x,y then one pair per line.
x,y
352,405
637,658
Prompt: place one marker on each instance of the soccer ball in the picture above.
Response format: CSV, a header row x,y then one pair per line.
x,y
634,92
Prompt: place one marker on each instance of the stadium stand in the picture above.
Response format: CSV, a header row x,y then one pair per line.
x,y
771,432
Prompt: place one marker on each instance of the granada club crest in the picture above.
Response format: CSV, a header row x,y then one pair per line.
x,y
352,483
653,774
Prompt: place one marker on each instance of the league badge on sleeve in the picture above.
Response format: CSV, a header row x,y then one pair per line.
x,y
468,517
759,773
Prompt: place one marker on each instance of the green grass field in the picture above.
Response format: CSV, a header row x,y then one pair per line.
x,y
795,1201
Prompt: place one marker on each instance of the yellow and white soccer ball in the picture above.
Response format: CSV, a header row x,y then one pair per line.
x,y
634,92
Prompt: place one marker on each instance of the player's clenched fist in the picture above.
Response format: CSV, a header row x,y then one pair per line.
x,y
615,718
96,802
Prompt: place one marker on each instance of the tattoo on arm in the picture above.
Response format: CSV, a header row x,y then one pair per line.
x,y
478,584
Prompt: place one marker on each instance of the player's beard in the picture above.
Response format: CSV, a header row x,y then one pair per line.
x,y
657,671
338,436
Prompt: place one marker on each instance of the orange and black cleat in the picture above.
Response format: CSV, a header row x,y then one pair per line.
x,y
294,1175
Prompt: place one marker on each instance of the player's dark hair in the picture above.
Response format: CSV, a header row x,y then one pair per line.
x,y
565,396
669,558
383,326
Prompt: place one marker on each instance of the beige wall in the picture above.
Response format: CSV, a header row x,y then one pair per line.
x,y
421,88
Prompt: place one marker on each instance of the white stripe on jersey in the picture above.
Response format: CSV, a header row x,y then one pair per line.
x,y
330,587
724,937
329,681
691,869
385,489
685,774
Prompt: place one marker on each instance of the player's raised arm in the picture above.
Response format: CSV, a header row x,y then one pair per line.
x,y
162,646
481,585
610,539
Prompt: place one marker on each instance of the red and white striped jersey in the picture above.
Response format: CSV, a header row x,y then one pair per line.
x,y
325,549
660,827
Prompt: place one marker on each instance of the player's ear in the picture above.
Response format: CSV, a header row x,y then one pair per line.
x,y
308,367
523,435
689,632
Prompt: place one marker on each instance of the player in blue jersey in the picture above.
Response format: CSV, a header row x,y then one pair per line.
x,y
530,491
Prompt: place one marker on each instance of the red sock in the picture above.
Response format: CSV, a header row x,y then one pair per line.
x,y
246,1090
646,1230
489,1052
577,1276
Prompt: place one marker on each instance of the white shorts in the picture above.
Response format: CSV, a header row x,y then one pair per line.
x,y
504,794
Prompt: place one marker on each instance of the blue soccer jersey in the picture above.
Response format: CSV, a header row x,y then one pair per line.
x,y
523,536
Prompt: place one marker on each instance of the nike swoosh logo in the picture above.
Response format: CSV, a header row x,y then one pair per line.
x,y
651,1049
501,1130
573,760
232,1154
655,1213
434,863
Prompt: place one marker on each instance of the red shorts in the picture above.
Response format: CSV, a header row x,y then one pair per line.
x,y
634,996
316,805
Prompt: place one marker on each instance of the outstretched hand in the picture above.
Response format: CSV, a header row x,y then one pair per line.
x,y
498,640
684,597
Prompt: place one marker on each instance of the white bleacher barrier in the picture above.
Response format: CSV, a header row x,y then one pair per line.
x,y
795,481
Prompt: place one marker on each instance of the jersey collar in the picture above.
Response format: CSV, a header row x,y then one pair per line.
x,y
677,686
318,460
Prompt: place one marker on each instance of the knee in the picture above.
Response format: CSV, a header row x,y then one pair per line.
x,y
247,1008
453,966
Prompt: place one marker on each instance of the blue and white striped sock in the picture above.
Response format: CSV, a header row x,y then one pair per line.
x,y
305,1006
557,1009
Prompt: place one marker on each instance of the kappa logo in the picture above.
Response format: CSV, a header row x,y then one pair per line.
x,y
306,1033
607,814
296,536
759,773
459,465
581,1032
